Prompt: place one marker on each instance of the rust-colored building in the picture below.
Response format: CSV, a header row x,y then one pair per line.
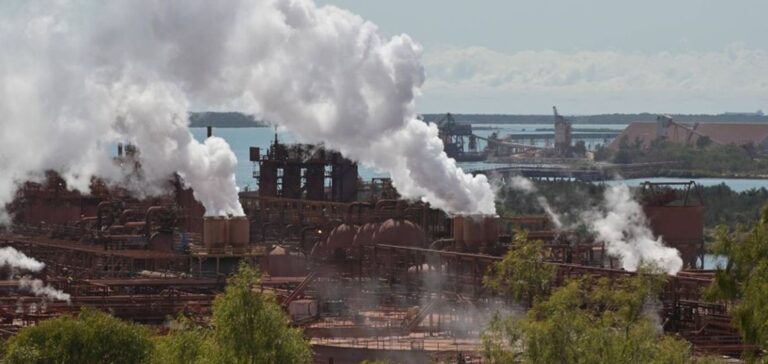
x,y
754,134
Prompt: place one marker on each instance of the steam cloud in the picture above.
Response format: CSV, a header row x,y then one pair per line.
x,y
38,288
624,228
525,185
10,257
79,77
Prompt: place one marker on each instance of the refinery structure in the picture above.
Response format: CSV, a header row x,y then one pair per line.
x,y
366,274
109,201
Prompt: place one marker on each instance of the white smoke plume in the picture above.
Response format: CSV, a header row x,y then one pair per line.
x,y
79,76
623,227
40,289
10,257
553,216
14,259
522,184
525,185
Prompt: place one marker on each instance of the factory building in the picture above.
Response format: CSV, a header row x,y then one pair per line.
x,y
741,134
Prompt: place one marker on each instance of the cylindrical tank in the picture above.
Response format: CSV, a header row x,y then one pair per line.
x,y
474,232
458,229
239,231
491,229
215,231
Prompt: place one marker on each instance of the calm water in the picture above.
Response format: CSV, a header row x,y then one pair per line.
x,y
240,139
736,184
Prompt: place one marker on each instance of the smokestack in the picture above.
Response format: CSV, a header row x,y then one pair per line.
x,y
210,131
119,149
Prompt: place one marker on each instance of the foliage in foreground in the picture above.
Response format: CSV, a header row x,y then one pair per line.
x,y
250,327
89,337
590,320
247,328
744,280
523,273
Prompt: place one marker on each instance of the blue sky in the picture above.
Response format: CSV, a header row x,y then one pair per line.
x,y
591,56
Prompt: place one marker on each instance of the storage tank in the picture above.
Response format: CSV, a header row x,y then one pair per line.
x,y
491,229
215,231
474,232
364,236
399,232
239,231
458,229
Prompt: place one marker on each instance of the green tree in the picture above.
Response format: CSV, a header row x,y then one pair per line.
x,y
89,337
580,148
588,321
625,152
186,343
248,327
523,272
744,280
703,142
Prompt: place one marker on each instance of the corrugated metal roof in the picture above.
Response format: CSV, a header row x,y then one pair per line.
x,y
721,133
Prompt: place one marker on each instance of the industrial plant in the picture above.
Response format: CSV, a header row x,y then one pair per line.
x,y
365,273
250,182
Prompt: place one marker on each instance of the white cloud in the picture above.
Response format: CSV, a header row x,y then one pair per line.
x,y
735,78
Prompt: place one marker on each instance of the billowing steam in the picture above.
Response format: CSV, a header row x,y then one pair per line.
x,y
522,184
10,257
622,225
38,288
79,77
14,259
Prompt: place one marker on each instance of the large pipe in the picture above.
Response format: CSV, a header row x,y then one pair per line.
x,y
359,206
100,210
150,216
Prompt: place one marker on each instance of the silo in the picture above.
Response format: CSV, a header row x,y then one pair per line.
x,y
215,231
239,231
474,232
458,229
491,229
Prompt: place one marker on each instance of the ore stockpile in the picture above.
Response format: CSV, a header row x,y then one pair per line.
x,y
366,274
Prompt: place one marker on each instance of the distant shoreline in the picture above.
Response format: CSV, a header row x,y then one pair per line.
x,y
224,120
239,120
597,119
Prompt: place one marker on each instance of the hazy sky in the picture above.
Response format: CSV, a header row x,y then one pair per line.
x,y
589,56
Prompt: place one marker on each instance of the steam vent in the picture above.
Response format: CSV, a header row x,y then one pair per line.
x,y
316,217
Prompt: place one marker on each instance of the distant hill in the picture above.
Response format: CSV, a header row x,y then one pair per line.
x,y
223,120
597,119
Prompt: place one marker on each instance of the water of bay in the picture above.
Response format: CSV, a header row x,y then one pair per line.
x,y
241,139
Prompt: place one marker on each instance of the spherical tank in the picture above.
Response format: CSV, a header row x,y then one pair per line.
x,y
239,231
399,232
364,236
342,236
